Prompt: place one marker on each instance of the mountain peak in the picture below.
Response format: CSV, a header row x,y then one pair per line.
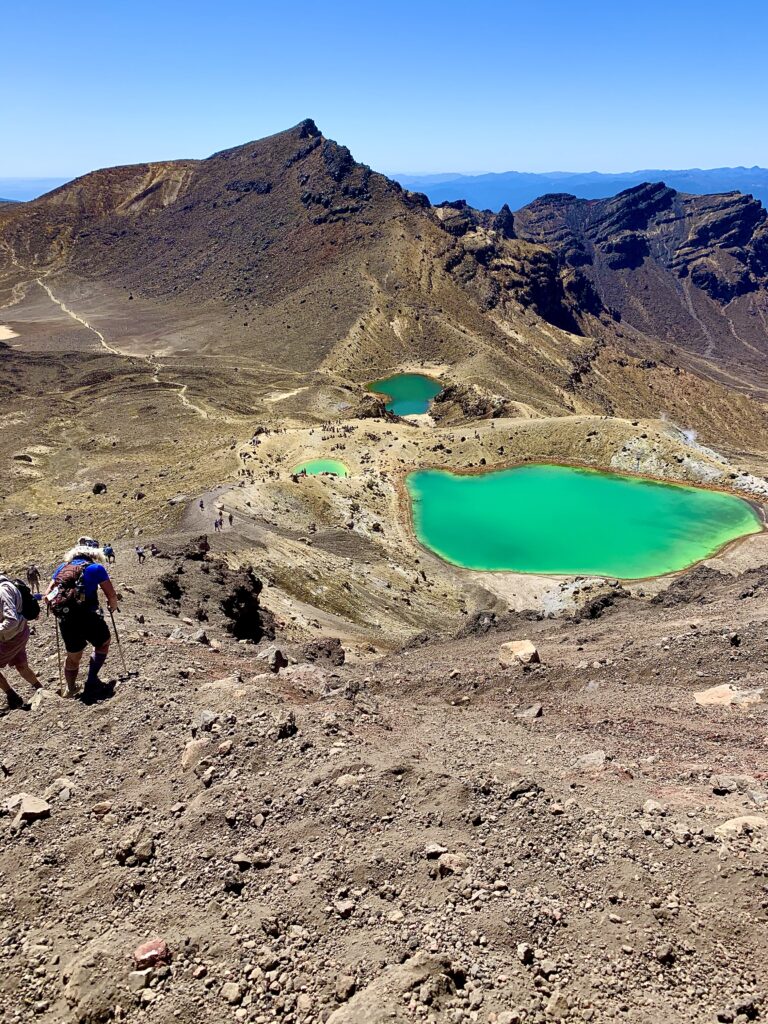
x,y
307,129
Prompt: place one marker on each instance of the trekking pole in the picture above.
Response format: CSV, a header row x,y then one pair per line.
x,y
58,654
119,645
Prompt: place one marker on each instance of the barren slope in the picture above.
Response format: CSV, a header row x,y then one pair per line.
x,y
453,841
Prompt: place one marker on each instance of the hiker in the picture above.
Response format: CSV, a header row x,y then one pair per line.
x,y
231,519
140,554
202,505
33,578
216,525
73,597
14,637
154,550
109,551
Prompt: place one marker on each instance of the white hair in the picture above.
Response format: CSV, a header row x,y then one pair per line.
x,y
84,551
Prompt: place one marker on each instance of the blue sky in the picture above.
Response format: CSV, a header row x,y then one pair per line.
x,y
408,86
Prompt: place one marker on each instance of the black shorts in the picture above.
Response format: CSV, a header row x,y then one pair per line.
x,y
81,628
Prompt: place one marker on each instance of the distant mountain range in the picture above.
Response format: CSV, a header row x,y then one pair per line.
x,y
516,189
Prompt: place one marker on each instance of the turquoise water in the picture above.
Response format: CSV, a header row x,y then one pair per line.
x,y
315,466
555,519
408,393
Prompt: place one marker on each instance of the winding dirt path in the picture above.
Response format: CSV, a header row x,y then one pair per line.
x,y
150,361
81,320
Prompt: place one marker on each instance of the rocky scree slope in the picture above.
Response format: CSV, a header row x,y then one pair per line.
x,y
428,836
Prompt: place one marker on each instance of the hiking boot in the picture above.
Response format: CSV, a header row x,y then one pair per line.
x,y
15,703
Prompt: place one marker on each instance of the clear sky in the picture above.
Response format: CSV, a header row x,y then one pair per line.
x,y
417,86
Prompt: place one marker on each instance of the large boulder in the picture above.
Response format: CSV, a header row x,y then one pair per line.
x,y
726,694
746,823
326,650
518,652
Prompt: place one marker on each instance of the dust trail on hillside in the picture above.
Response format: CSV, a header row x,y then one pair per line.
x,y
81,320
150,361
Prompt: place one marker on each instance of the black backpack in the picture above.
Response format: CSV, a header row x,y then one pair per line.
x,y
30,606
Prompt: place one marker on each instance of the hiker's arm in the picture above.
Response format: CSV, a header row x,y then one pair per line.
x,y
9,616
4,610
111,595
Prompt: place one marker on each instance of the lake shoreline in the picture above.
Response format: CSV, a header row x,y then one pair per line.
x,y
406,504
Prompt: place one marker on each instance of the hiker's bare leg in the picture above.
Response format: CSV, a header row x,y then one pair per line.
x,y
71,668
14,700
27,673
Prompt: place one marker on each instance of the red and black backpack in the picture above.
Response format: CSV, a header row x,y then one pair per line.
x,y
69,593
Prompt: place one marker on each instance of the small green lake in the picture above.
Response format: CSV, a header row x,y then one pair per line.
x,y
407,393
565,521
314,467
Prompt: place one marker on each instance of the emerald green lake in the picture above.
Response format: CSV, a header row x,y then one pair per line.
x,y
560,520
316,466
407,393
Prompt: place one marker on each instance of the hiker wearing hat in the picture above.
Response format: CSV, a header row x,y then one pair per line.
x,y
14,636
73,597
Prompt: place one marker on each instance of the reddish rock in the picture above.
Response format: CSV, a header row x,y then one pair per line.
x,y
153,952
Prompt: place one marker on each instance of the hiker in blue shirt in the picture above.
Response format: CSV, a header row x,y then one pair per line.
x,y
73,597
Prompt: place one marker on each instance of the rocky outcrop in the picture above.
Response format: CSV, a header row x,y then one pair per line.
x,y
470,401
504,222
210,591
720,241
666,264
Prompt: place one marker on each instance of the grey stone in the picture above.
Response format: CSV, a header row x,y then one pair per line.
x,y
231,993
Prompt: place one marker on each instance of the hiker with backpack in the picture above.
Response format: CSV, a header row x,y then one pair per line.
x,y
33,579
15,600
73,597
109,551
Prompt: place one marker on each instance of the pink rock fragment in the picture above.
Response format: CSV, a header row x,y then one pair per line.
x,y
150,953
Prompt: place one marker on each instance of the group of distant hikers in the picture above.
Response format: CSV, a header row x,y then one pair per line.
x,y
218,522
141,554
72,597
